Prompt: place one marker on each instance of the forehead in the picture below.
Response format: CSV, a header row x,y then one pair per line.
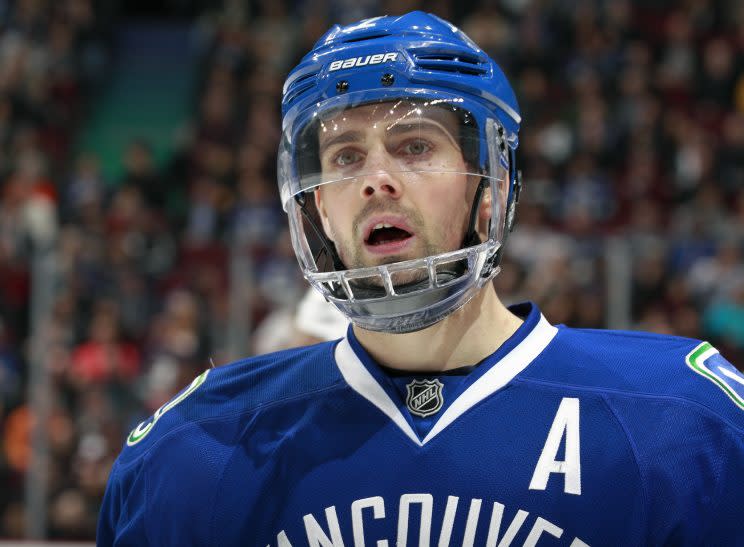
x,y
387,116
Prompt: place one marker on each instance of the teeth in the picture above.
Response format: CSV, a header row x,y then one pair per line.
x,y
381,225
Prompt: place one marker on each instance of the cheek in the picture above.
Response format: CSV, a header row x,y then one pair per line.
x,y
449,190
335,211
449,205
322,204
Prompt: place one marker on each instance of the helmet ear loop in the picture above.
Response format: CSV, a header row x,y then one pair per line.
x,y
471,236
511,215
512,218
328,247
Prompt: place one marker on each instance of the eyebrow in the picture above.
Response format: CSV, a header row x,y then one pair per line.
x,y
399,128
396,129
344,138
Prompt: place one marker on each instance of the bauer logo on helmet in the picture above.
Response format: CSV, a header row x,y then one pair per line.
x,y
353,62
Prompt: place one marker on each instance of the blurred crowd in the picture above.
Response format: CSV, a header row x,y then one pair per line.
x,y
632,150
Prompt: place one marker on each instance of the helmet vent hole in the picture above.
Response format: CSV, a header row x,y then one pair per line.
x,y
457,62
370,36
305,77
300,85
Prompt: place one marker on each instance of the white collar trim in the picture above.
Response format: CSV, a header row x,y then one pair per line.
x,y
361,381
500,374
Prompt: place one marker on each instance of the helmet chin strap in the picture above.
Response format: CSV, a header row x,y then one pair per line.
x,y
328,247
471,235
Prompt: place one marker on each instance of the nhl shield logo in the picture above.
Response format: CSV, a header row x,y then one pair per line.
x,y
424,397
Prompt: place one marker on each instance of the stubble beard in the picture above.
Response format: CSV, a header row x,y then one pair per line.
x,y
353,255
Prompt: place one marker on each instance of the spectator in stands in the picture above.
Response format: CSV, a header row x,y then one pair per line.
x,y
104,357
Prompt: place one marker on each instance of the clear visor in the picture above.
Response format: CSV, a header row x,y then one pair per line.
x,y
373,189
346,141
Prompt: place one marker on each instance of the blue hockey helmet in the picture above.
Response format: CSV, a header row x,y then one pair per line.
x,y
405,73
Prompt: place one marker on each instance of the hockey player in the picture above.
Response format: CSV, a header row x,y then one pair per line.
x,y
442,417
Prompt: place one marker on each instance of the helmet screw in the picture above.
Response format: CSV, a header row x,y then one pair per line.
x,y
387,79
342,86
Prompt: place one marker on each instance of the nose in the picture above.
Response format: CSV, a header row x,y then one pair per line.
x,y
380,179
381,183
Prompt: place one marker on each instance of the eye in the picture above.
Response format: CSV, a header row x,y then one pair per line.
x,y
347,156
416,147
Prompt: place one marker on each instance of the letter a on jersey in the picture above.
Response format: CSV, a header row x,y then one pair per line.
x,y
565,425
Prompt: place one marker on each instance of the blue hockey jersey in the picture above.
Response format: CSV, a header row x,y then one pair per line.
x,y
561,437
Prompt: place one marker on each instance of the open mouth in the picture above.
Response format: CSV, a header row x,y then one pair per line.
x,y
388,235
383,233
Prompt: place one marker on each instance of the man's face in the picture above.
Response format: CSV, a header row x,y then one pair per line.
x,y
407,194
